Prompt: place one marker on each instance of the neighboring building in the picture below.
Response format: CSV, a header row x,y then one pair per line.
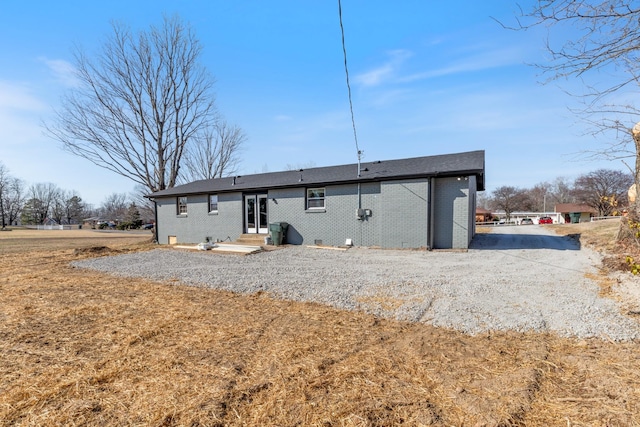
x,y
91,222
574,213
423,202
517,217
483,215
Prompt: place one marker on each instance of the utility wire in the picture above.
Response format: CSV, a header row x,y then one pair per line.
x,y
346,70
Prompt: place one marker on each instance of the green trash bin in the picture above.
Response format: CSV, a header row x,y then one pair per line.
x,y
275,229
575,217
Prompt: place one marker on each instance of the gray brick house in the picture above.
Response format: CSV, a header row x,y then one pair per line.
x,y
423,202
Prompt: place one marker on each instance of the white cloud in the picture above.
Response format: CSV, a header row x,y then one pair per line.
x,y
477,62
63,71
386,71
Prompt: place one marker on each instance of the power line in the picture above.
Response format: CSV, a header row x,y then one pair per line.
x,y
346,70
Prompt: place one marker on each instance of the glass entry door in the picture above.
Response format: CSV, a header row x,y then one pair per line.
x,y
255,213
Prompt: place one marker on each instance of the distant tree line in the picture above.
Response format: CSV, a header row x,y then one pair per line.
x,y
35,204
604,190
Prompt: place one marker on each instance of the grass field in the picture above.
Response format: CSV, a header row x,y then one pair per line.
x,y
85,348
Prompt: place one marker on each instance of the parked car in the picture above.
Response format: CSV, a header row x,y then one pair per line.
x,y
526,221
545,220
147,226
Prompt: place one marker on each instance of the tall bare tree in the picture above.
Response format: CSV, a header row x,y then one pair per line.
x,y
545,195
67,207
606,41
145,205
13,199
604,190
561,191
215,153
510,199
5,180
115,206
538,195
139,102
40,200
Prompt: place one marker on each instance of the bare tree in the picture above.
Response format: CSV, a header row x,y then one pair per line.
x,y
145,206
40,199
482,200
510,199
5,180
561,191
606,40
139,103
538,196
13,199
56,212
115,206
215,153
68,207
604,190
545,195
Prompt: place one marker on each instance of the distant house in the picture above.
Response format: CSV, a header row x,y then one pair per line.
x,y
483,215
91,222
422,202
574,213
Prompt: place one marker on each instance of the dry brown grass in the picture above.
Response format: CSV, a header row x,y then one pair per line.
x,y
85,348
599,235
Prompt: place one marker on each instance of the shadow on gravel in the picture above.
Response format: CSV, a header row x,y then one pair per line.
x,y
525,241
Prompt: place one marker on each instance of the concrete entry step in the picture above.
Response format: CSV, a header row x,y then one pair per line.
x,y
252,239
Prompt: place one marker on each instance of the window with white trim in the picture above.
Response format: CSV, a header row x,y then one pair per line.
x,y
315,198
213,203
182,205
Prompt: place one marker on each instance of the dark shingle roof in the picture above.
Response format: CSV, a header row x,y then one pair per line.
x,y
468,163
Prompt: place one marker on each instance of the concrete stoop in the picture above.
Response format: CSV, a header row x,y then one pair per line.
x,y
252,239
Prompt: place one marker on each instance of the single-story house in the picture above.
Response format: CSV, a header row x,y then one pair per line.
x,y
483,215
423,202
575,212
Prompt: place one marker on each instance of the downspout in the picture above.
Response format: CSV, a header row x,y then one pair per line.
x,y
359,210
430,214
360,218
359,175
155,218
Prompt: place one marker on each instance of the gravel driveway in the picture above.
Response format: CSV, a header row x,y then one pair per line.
x,y
522,278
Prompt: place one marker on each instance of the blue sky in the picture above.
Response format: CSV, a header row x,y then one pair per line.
x,y
427,78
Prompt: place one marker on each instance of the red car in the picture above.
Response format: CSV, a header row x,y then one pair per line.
x,y
545,220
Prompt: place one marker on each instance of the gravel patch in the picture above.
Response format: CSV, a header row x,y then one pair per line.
x,y
516,278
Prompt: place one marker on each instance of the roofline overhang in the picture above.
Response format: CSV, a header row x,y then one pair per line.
x,y
476,172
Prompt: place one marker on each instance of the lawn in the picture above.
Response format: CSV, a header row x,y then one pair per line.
x,y
86,348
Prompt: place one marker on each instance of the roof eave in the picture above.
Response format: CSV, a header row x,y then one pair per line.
x,y
361,179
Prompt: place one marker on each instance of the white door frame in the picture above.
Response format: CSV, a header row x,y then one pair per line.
x,y
256,220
